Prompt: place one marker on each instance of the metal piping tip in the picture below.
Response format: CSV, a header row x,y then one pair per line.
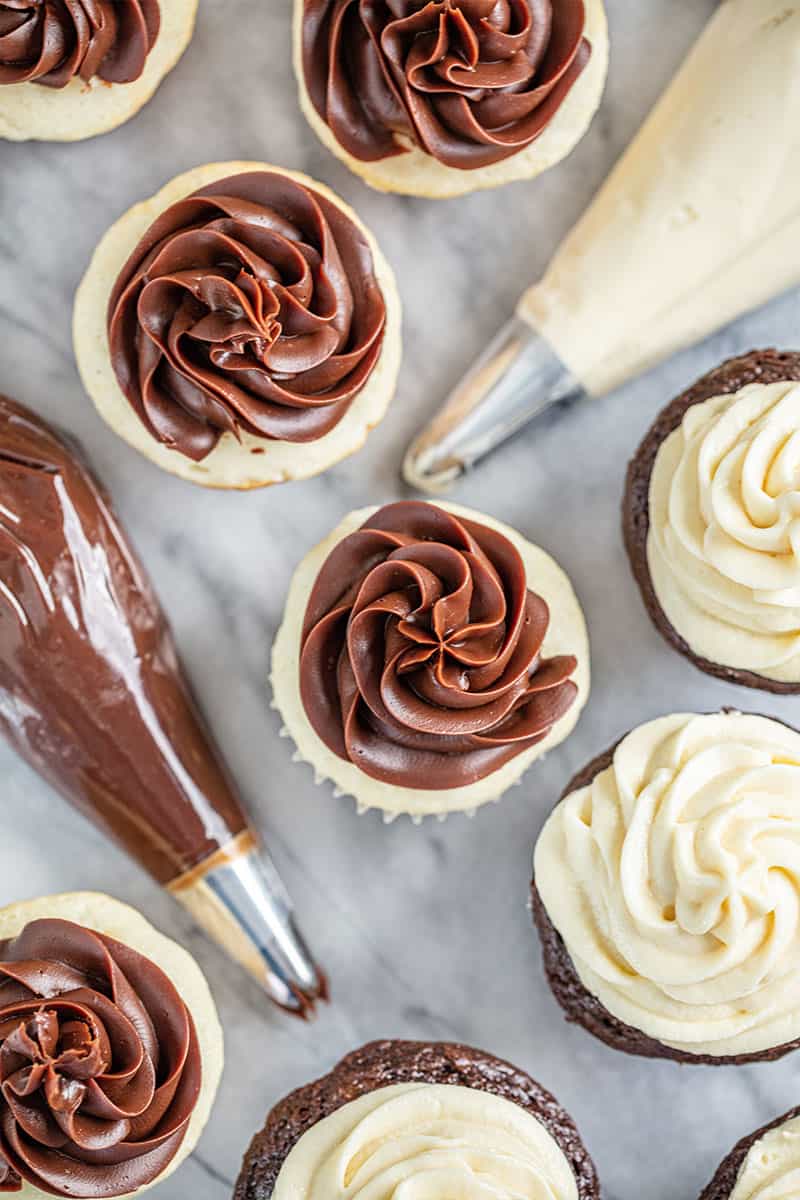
x,y
516,379
239,899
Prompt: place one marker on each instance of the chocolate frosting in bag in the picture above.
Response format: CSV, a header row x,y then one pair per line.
x,y
54,41
250,305
100,1066
421,651
91,690
470,82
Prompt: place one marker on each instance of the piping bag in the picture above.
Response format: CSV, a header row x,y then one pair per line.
x,y
93,696
698,223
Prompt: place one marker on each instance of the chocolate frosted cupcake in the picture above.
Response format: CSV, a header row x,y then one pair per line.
x,y
441,97
428,655
765,1165
75,68
666,891
430,1119
710,522
110,1049
241,328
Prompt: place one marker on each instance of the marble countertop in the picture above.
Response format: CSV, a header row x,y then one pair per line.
x,y
425,931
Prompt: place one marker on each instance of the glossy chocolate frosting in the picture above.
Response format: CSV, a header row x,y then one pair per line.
x,y
421,651
91,690
100,1067
54,41
250,305
470,82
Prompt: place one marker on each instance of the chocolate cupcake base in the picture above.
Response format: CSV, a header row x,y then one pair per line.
x,y
759,366
724,1181
383,1064
582,1008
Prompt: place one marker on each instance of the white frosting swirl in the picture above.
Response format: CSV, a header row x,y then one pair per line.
x,y
771,1170
426,1142
674,880
724,542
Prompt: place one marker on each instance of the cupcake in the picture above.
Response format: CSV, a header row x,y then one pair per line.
x,y
444,97
110,1049
241,328
70,70
765,1165
428,655
666,887
423,1119
710,522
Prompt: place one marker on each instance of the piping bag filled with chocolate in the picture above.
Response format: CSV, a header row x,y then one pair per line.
x,y
698,223
92,694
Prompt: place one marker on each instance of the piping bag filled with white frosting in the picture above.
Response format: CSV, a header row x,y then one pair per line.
x,y
698,223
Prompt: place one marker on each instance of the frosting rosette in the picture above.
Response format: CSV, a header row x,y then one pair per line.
x,y
724,541
469,82
416,1141
673,879
252,305
54,41
770,1170
100,1067
421,651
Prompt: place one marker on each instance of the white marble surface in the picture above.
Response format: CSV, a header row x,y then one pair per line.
x,y
425,931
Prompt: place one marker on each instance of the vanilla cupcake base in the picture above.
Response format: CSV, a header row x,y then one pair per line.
x,y
417,173
31,111
566,635
250,462
103,914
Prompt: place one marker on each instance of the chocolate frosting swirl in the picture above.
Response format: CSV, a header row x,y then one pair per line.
x,y
470,82
54,41
100,1066
421,651
250,305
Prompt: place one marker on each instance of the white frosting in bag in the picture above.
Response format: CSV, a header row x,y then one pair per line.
x,y
699,221
674,880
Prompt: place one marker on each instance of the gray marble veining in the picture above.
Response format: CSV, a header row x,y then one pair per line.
x,y
424,930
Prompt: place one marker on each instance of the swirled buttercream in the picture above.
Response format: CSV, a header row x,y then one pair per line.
x,y
250,305
771,1169
470,82
420,1141
100,1066
674,881
421,651
54,41
724,542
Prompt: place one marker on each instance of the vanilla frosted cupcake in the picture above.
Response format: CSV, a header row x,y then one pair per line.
x,y
441,97
428,655
666,887
76,68
110,1049
765,1165
423,1119
711,522
240,328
